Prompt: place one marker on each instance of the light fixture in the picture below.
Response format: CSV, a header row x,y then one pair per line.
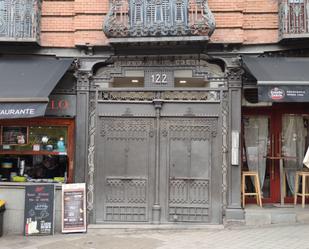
x,y
182,81
134,81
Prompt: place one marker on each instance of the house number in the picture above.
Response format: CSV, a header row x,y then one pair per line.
x,y
159,78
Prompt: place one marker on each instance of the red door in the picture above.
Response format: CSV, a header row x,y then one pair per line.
x,y
271,134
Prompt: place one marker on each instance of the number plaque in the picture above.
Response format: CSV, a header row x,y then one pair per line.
x,y
159,78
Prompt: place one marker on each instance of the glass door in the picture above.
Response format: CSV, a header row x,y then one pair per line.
x,y
275,140
256,148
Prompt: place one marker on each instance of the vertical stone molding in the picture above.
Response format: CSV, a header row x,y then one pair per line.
x,y
234,77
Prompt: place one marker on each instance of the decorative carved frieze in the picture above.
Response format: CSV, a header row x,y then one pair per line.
x,y
137,18
20,20
204,96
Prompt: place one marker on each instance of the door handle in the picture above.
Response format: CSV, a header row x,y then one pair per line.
x,y
272,170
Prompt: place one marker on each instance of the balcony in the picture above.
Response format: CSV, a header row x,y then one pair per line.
x,y
19,20
294,21
163,20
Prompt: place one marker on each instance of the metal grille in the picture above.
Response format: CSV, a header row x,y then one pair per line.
x,y
159,18
19,20
294,17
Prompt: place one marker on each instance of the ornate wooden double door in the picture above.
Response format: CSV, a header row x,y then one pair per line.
x,y
146,164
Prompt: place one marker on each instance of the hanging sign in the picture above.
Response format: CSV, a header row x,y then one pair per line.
x,y
74,208
39,209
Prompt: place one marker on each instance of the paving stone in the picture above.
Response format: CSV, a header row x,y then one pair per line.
x,y
267,237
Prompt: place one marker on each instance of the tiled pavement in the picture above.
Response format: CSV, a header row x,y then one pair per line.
x,y
272,237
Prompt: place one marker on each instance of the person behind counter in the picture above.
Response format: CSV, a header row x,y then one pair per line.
x,y
50,167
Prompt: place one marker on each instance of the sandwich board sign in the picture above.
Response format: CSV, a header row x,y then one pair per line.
x,y
74,208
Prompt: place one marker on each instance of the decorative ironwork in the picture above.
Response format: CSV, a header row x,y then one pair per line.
x,y
126,190
20,20
294,18
225,115
91,148
189,191
208,96
136,18
205,96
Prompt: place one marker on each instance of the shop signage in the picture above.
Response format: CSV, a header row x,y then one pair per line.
x,y
74,208
22,110
61,105
39,209
286,93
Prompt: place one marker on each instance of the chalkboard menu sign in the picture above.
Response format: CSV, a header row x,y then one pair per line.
x,y
39,209
74,208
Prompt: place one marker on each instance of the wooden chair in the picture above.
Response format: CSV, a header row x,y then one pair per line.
x,y
257,187
303,193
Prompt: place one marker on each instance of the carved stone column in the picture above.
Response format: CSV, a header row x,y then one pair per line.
x,y
234,210
85,131
82,93
156,208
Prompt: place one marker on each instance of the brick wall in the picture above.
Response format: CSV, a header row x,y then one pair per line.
x,y
67,23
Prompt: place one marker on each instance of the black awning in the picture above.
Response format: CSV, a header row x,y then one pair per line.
x,y
280,79
26,82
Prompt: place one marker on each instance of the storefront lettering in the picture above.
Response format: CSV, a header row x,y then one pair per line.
x,y
58,104
17,111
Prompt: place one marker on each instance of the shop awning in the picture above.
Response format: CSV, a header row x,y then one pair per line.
x,y
26,82
280,79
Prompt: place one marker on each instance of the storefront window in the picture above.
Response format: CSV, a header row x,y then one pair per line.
x,y
36,151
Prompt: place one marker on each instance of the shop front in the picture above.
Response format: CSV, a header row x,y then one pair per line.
x,y
37,119
275,128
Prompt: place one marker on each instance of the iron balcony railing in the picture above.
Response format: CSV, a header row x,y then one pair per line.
x,y
294,18
148,18
19,20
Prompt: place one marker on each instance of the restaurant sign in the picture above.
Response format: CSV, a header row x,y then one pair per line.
x,y
286,93
61,105
22,110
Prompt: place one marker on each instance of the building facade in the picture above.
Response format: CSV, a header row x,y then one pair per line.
x,y
173,99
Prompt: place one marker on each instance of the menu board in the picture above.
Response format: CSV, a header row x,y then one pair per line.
x,y
39,209
74,208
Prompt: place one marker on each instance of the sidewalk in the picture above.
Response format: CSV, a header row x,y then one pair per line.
x,y
272,237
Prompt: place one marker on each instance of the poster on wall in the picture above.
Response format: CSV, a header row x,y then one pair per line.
x,y
39,210
74,208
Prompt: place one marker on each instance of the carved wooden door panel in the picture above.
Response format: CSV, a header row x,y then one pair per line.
x,y
123,169
188,144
